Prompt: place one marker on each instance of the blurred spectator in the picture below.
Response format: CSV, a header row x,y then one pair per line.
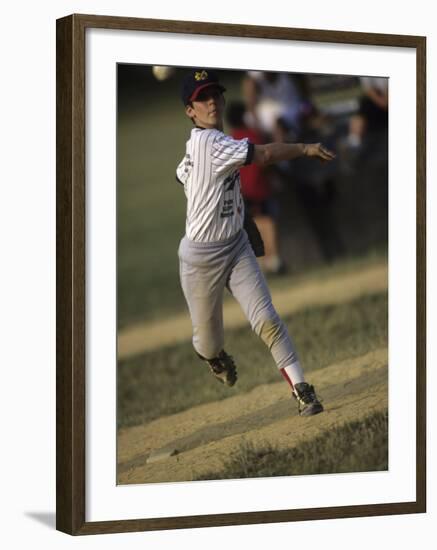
x,y
373,111
275,104
280,105
257,191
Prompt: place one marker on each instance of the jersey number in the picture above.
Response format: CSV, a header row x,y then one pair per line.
x,y
228,203
229,182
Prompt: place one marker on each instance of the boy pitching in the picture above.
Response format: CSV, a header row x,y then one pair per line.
x,y
216,252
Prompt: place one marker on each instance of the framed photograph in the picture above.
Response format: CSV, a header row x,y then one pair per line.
x,y
240,274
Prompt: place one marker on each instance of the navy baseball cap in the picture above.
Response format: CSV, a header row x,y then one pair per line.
x,y
198,80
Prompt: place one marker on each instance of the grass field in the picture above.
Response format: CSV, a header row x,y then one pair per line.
x,y
359,446
204,439
171,379
167,396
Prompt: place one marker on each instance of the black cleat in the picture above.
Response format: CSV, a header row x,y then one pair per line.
x,y
223,368
307,399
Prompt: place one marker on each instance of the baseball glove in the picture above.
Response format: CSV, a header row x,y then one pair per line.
x,y
254,235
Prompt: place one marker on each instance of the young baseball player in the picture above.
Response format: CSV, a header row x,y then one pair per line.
x,y
216,251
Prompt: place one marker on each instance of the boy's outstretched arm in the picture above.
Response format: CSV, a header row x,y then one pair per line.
x,y
275,152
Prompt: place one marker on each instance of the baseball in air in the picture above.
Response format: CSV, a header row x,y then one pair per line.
x,y
162,73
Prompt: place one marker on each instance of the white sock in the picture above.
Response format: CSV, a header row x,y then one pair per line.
x,y
293,374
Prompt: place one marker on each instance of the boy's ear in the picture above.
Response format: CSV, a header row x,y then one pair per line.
x,y
189,111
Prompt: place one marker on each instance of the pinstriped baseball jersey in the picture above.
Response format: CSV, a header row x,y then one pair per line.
x,y
210,176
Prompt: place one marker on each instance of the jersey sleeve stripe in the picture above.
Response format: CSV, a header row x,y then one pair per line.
x,y
231,148
229,155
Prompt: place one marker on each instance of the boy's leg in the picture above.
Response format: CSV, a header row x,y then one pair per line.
x,y
248,285
205,304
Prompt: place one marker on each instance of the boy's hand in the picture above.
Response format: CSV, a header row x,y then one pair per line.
x,y
317,150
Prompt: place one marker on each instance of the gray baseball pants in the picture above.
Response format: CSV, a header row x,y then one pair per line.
x,y
205,270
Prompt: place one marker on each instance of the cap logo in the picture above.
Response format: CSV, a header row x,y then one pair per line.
x,y
201,75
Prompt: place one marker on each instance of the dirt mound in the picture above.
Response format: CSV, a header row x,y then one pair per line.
x,y
183,446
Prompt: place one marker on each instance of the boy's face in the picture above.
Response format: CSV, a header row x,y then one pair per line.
x,y
207,110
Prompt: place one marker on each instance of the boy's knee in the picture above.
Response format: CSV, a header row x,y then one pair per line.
x,y
269,329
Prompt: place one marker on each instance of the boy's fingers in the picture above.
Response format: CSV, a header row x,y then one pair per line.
x,y
321,152
327,155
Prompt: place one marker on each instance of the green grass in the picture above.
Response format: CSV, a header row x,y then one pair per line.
x,y
359,446
151,217
172,379
344,266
